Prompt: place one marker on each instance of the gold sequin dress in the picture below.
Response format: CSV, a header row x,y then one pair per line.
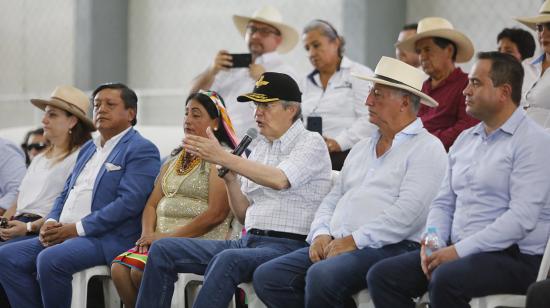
x,y
185,197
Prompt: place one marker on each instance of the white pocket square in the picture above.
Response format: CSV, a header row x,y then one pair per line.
x,y
112,167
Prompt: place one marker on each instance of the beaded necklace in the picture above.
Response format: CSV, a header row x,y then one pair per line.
x,y
186,162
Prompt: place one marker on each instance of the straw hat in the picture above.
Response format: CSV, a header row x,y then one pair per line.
x,y
542,17
69,99
397,74
271,16
440,27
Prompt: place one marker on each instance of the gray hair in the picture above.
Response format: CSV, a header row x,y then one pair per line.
x,y
326,30
413,98
298,114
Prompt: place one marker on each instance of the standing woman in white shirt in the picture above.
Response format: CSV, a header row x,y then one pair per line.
x,y
333,102
536,82
67,128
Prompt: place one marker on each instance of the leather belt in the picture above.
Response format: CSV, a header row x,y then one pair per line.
x,y
29,215
270,233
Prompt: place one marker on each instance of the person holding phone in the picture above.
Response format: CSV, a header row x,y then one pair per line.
x,y
334,101
230,75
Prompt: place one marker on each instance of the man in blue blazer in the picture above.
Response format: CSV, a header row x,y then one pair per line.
x,y
98,214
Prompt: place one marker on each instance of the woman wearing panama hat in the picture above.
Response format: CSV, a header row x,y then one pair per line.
x,y
67,128
536,83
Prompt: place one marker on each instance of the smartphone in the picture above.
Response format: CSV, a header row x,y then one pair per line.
x,y
241,59
315,124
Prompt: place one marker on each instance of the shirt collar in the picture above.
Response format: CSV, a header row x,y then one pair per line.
x,y
410,130
344,64
454,76
111,142
509,127
538,59
267,57
286,139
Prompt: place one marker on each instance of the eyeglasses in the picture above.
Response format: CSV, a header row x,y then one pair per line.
x,y
263,31
541,27
262,106
36,146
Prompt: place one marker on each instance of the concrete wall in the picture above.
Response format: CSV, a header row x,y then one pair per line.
x,y
159,46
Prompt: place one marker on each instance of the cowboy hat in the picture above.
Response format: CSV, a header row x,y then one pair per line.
x,y
542,17
440,27
397,74
271,16
69,99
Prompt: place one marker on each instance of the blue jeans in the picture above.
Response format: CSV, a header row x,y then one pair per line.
x,y
224,265
294,281
394,282
34,276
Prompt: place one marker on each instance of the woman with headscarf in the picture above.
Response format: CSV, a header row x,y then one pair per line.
x,y
188,200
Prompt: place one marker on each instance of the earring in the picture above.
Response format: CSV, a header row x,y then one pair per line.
x,y
70,131
215,129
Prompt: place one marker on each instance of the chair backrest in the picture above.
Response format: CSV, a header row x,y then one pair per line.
x,y
545,264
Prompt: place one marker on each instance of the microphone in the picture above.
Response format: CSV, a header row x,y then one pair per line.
x,y
251,133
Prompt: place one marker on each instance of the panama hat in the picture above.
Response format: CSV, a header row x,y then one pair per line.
x,y
542,17
440,27
69,99
271,16
397,74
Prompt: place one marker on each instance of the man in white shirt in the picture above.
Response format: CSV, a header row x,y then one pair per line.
x,y
275,195
377,207
97,215
266,36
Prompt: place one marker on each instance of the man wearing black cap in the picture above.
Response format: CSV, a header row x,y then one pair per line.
x,y
274,193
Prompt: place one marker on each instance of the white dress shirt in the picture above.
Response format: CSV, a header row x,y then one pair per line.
x,y
536,91
43,183
341,104
303,157
384,200
237,81
79,201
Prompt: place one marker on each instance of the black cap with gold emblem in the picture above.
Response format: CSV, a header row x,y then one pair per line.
x,y
272,87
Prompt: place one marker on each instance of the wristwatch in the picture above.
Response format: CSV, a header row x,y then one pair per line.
x,y
29,228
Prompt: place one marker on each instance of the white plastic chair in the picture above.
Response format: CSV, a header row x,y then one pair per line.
x,y
179,298
362,299
80,287
506,300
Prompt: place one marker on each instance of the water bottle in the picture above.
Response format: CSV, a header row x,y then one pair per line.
x,y
431,241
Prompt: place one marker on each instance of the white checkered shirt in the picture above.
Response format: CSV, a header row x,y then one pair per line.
x,y
303,157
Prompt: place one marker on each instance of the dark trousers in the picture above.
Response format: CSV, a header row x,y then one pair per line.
x,y
337,159
293,281
395,282
538,295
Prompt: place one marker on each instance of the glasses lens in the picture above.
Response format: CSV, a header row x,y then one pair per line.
x,y
36,146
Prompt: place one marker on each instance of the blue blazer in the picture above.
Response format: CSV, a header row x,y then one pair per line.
x,y
118,196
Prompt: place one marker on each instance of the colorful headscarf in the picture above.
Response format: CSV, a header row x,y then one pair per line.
x,y
222,113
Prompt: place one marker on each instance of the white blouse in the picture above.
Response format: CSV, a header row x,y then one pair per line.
x,y
43,182
341,105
